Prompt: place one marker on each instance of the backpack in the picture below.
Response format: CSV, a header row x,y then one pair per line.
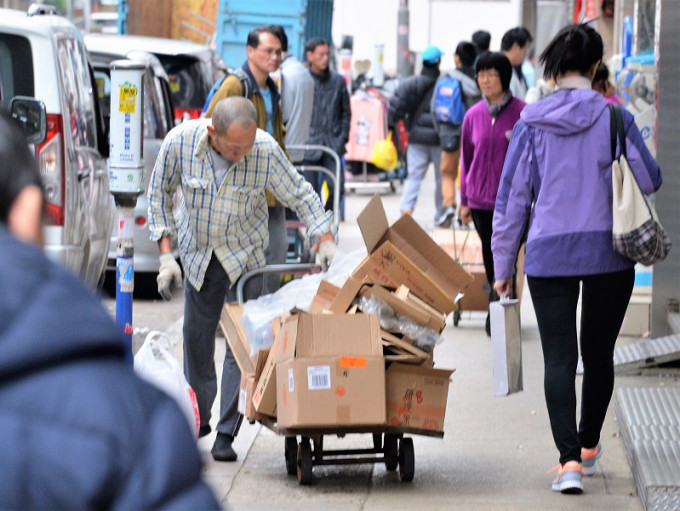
x,y
449,106
245,85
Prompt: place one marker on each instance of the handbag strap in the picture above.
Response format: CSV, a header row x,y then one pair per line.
x,y
616,130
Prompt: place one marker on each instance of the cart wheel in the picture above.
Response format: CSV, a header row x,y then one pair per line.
x,y
290,453
377,441
406,460
391,452
304,462
456,317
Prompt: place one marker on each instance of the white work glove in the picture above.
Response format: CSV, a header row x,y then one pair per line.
x,y
168,274
326,252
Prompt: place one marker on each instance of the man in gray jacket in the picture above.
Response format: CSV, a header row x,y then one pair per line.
x,y
449,133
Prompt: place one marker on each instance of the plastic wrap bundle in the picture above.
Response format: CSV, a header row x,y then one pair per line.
x,y
423,337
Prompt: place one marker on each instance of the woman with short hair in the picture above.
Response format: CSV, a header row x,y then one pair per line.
x,y
487,128
557,175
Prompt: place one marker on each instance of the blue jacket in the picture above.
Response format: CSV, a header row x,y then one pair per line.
x,y
557,174
78,429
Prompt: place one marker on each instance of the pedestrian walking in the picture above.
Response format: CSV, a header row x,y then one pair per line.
x,y
412,102
331,116
557,176
79,429
264,49
223,166
449,130
515,45
487,129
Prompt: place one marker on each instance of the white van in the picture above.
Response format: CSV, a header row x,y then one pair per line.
x,y
43,56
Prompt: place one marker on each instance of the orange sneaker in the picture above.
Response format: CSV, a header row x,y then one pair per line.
x,y
569,477
589,457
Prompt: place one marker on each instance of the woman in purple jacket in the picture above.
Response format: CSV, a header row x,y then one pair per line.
x,y
557,174
485,136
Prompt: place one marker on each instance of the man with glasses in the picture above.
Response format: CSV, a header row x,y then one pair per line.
x,y
264,51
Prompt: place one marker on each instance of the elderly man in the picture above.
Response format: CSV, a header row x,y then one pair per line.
x,y
223,165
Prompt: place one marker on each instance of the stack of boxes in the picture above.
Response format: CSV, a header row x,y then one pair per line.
x,y
335,364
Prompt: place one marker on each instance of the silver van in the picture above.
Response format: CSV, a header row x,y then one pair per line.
x,y
158,118
43,56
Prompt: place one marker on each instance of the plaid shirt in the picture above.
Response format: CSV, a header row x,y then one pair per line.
x,y
231,220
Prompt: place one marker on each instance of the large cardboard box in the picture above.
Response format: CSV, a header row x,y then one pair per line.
x,y
328,391
416,396
330,371
405,254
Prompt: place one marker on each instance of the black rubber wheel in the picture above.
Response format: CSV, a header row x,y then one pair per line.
x,y
304,463
407,462
290,453
391,452
456,317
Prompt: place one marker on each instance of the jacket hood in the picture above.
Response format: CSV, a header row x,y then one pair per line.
x,y
565,112
468,84
47,314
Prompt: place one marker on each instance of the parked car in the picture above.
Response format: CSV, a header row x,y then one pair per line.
x,y
43,56
158,118
192,69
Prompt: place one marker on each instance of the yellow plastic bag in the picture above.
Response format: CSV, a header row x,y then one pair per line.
x,y
385,154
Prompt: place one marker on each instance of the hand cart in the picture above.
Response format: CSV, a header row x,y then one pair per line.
x,y
301,252
476,301
390,446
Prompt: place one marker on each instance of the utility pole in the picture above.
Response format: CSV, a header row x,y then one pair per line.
x,y
404,67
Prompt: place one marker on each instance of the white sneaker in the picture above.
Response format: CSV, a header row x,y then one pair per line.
x,y
447,217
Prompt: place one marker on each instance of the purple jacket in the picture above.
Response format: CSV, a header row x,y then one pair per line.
x,y
557,174
482,152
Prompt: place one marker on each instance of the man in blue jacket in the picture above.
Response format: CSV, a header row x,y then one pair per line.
x,y
78,429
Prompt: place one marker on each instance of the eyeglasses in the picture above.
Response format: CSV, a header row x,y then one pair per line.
x,y
270,52
487,75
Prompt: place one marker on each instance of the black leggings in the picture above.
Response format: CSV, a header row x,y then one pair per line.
x,y
605,298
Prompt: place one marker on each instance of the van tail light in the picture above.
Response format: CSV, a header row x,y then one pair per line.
x,y
50,156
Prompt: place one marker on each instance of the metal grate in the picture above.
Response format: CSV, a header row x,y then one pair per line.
x,y
646,353
649,419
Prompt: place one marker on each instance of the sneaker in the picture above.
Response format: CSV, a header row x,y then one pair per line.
x,y
589,457
447,217
569,477
222,449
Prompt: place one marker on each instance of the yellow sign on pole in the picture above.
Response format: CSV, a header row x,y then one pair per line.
x,y
127,98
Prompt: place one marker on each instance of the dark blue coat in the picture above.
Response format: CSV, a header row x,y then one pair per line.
x,y
78,429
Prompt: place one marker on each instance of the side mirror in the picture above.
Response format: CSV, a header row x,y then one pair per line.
x,y
32,116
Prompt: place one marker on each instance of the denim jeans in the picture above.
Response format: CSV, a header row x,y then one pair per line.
x,y
604,300
418,159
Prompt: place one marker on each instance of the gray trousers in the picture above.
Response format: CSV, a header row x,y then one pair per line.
x,y
418,159
202,310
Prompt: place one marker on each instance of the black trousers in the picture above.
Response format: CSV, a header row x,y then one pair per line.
x,y
604,299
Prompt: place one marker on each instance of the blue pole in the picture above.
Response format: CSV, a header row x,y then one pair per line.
x,y
125,275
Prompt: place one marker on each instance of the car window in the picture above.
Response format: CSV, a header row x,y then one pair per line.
x,y
16,68
190,80
78,100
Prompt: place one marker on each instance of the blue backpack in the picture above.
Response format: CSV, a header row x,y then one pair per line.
x,y
245,85
448,101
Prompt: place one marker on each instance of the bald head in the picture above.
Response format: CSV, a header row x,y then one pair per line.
x,y
234,109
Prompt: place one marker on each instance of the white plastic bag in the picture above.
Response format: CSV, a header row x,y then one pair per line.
x,y
156,363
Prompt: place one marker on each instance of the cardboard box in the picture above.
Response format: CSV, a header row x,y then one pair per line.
x,y
264,397
405,254
328,391
476,297
405,307
463,245
343,301
323,298
245,398
416,396
230,322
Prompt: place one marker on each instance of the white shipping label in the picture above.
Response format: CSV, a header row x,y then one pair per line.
x,y
291,380
319,377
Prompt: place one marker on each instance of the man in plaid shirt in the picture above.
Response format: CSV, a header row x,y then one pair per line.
x,y
223,166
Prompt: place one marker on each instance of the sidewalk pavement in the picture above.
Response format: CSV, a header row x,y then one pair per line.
x,y
495,452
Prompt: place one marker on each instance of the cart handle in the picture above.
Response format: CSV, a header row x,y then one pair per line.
x,y
273,268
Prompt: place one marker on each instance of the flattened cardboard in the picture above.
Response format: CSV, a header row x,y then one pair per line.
x,y
230,323
245,398
416,396
264,397
343,301
406,308
405,254
328,391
